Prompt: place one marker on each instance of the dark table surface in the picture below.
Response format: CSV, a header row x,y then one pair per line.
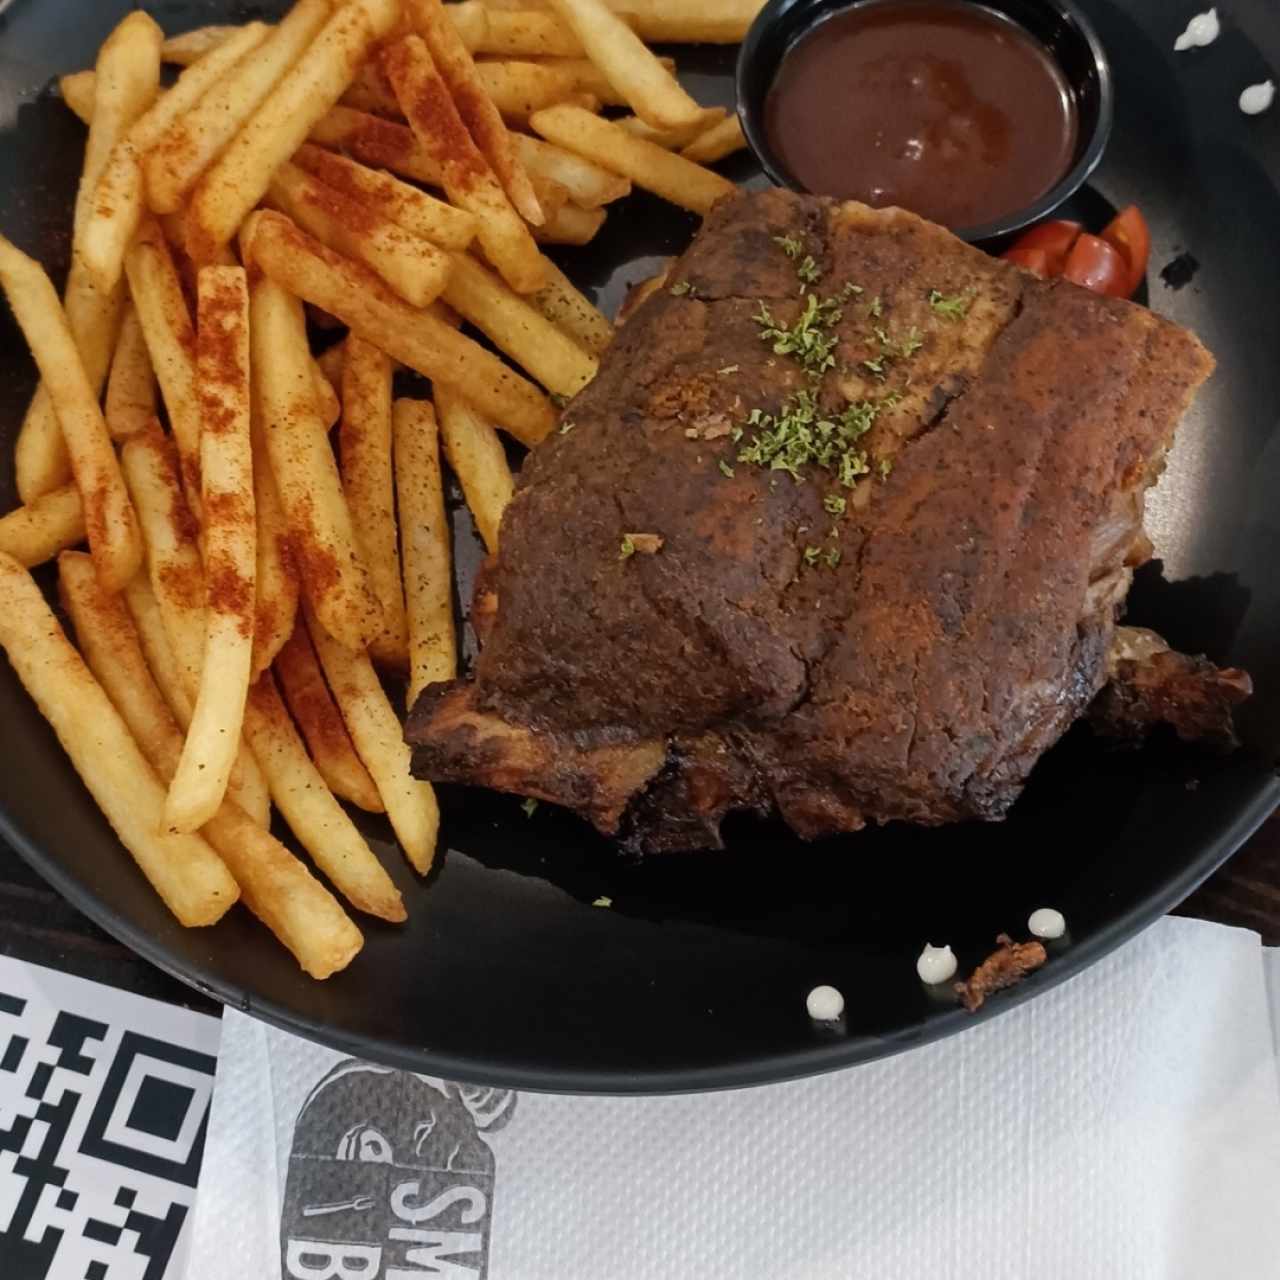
x,y
36,924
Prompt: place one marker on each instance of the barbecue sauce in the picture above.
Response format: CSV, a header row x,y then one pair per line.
x,y
940,106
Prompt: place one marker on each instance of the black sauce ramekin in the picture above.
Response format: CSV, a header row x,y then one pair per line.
x,y
1057,24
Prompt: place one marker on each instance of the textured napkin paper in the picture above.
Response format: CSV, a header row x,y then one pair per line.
x,y
1124,1125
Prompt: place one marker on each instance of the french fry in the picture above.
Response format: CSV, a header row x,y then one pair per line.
x,y
382,144
334,577
144,609
364,446
331,363
131,387
276,582
571,225
418,213
78,89
518,89
375,729
38,531
647,165
572,312
588,78
516,328
424,537
672,139
239,178
171,342
193,45
175,161
639,78
466,174
418,339
481,117
109,517
126,81
183,869
413,267
177,581
274,885
477,458
120,203
679,22
317,716
226,469
318,821
528,34
370,91
714,144
589,186
551,196
328,406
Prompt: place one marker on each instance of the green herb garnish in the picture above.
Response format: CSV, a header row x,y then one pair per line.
x,y
530,807
953,306
832,557
627,548
728,369
792,246
875,310
884,466
809,272
834,504
726,469
680,288
566,427
602,901
812,555
808,339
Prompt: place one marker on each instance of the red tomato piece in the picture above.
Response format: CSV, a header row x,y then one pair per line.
x,y
1055,238
1095,264
1128,232
1034,260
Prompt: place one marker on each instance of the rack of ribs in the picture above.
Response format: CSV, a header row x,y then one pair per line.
x,y
840,531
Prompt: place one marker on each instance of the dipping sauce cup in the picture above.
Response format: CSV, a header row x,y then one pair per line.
x,y
983,117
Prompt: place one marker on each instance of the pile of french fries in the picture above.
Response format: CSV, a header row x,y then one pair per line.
x,y
245,587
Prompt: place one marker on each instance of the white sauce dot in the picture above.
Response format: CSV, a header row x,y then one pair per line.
x,y
936,964
1201,30
825,1004
1046,923
1257,98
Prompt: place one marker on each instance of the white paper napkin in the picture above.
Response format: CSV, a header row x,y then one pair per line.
x,y
1124,1125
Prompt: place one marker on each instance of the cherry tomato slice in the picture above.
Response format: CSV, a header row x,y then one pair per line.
x,y
1055,238
1129,233
1034,260
1095,264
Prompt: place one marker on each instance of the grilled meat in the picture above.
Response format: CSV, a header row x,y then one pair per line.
x,y
899,489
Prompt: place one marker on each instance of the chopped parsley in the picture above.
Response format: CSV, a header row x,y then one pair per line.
x,y
602,901
832,557
875,310
530,807
726,469
792,246
808,272
801,434
884,466
834,504
812,555
680,288
566,427
628,547
809,339
953,306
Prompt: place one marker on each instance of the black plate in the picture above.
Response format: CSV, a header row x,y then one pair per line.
x,y
697,975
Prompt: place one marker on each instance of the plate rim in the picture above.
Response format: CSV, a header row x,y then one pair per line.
x,y
777,1068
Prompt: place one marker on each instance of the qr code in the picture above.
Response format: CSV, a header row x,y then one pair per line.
x,y
102,1129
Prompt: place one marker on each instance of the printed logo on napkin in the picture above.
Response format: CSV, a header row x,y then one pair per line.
x,y
104,1099
389,1176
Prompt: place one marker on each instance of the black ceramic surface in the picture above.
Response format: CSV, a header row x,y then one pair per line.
x,y
1061,26
696,976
